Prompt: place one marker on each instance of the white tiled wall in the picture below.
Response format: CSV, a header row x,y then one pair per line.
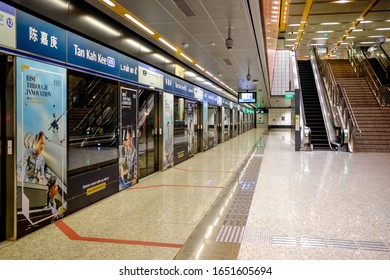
x,y
281,77
280,116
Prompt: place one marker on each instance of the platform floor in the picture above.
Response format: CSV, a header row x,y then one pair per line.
x,y
300,205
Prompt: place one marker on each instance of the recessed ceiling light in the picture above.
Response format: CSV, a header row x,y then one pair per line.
x,y
200,67
186,57
376,36
108,2
322,38
294,24
327,31
342,1
167,44
139,24
384,28
357,30
330,23
366,21
366,43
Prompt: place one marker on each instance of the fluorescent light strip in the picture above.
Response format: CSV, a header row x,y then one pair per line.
x,y
186,57
330,23
139,24
108,2
167,44
200,67
208,73
381,29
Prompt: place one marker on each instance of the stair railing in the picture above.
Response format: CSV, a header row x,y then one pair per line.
x,y
363,68
339,98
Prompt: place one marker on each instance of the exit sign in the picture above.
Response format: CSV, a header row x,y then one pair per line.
x,y
289,96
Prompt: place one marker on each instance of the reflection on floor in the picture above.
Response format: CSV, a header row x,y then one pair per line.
x,y
305,205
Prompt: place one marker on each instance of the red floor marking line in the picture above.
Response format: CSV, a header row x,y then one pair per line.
x,y
176,185
72,235
194,170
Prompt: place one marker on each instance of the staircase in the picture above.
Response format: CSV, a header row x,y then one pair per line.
x,y
313,113
373,120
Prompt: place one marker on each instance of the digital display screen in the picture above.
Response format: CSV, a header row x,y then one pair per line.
x,y
247,97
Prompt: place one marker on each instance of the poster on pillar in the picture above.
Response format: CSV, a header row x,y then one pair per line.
x,y
205,126
128,155
191,128
41,144
167,130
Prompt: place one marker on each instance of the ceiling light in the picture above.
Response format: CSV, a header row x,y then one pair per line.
x,y
186,57
366,21
294,24
200,67
95,22
327,31
376,36
342,1
357,30
208,73
216,78
385,28
366,43
190,74
167,44
139,24
108,2
322,38
330,23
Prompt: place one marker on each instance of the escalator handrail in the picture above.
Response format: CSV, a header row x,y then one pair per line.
x,y
93,109
297,85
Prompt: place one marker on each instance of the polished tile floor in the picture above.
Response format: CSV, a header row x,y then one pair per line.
x,y
303,205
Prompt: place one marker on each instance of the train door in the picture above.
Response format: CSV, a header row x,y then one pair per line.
x,y
220,114
2,150
7,193
148,142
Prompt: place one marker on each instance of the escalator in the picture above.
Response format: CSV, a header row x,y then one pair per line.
x,y
378,69
93,112
312,106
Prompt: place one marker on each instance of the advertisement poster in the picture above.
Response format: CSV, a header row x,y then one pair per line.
x,y
91,187
191,129
128,155
41,144
205,125
167,130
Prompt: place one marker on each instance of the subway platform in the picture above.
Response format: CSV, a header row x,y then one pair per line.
x,y
252,197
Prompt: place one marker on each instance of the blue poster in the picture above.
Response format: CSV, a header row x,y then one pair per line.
x,y
41,144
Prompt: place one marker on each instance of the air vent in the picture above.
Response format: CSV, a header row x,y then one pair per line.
x,y
184,8
227,61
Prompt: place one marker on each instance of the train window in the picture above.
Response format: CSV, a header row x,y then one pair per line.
x,y
92,120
